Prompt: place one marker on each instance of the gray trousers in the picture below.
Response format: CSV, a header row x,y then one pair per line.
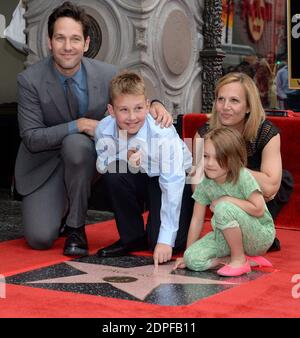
x,y
67,190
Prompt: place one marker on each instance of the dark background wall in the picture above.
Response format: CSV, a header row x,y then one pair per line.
x,y
11,63
11,60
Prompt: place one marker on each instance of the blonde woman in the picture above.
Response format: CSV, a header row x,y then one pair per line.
x,y
238,106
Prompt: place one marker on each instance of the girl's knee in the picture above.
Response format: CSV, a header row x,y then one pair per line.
x,y
225,214
224,207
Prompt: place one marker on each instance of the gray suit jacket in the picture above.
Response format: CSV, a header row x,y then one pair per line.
x,y
43,117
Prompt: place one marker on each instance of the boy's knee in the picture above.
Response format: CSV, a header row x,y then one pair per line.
x,y
117,181
112,179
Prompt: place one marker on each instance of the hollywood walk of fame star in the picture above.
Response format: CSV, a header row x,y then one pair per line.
x,y
136,281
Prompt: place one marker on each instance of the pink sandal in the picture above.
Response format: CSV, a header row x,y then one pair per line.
x,y
229,271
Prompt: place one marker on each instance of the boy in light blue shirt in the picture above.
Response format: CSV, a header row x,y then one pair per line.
x,y
143,163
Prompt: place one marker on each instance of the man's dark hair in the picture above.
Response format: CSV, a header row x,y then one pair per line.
x,y
69,10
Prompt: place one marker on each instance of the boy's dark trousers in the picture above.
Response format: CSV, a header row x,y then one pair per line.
x,y
133,193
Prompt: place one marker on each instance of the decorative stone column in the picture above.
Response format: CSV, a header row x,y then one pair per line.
x,y
159,38
212,55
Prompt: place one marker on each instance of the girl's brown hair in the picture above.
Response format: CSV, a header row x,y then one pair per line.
x,y
231,153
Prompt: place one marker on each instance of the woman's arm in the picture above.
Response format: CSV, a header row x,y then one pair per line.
x,y
197,169
269,176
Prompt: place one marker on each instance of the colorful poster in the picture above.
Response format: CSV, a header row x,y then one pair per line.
x,y
227,19
256,19
257,13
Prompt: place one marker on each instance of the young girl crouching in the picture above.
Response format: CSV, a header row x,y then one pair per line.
x,y
242,225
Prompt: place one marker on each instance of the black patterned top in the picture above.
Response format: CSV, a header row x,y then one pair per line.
x,y
266,131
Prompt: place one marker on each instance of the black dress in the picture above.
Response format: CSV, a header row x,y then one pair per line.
x,y
266,131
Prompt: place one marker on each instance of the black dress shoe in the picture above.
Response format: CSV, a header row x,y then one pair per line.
x,y
116,249
119,249
76,242
275,246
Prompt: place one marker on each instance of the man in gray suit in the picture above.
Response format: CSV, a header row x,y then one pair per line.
x,y
60,101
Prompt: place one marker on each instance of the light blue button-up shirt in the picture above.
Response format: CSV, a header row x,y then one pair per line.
x,y
163,154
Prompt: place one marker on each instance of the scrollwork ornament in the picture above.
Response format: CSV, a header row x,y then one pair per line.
x,y
212,54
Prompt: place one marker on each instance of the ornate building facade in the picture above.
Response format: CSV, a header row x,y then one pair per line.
x,y
174,44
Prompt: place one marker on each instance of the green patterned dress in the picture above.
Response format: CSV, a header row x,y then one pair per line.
x,y
258,232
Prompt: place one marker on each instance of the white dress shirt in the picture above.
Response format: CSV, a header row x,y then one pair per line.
x,y
163,154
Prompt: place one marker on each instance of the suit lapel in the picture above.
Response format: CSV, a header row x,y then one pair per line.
x,y
94,87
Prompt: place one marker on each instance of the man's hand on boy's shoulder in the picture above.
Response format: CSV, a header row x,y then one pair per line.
x,y
160,114
162,253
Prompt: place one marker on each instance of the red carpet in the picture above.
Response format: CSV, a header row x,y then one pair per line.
x,y
17,257
267,296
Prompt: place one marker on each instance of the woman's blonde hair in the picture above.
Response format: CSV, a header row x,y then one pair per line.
x,y
231,153
126,82
256,112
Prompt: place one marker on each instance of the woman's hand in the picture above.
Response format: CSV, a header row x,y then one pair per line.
x,y
268,199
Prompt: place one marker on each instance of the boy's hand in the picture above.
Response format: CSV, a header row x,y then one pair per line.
x,y
179,264
134,157
161,115
162,253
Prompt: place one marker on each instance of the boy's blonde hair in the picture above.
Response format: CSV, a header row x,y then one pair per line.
x,y
256,112
127,82
231,153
